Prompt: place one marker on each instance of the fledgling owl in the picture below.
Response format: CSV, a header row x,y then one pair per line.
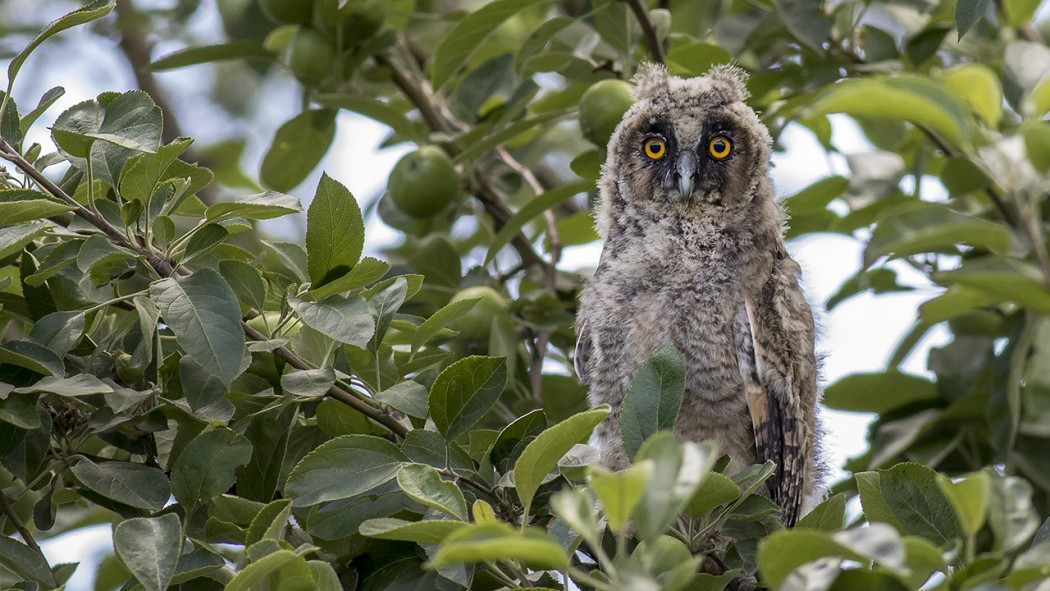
x,y
694,254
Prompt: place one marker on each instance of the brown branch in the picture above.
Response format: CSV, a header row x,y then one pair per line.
x,y
9,510
655,47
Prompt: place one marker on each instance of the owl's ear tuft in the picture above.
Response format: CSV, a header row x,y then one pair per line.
x,y
733,81
651,81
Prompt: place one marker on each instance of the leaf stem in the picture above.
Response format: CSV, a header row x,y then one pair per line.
x,y
9,510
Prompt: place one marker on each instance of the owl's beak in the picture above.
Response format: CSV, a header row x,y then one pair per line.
x,y
685,167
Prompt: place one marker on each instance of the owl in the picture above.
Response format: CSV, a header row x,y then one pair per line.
x,y
694,255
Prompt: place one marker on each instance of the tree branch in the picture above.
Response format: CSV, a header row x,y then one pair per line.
x,y
655,47
352,399
162,266
485,193
166,268
9,510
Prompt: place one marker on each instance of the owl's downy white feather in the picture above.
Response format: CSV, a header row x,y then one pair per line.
x,y
694,254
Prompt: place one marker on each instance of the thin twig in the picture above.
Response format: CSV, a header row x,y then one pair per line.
x,y
163,267
9,510
655,47
428,108
358,402
993,195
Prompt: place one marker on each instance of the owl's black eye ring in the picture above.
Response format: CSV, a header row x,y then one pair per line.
x,y
654,147
719,147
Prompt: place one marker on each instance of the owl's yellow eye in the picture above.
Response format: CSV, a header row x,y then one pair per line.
x,y
719,147
655,148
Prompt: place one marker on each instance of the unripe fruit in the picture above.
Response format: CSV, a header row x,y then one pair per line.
x,y
365,18
292,12
424,182
602,107
476,324
310,56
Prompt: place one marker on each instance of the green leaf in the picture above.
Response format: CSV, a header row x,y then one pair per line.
x,y
58,331
1037,142
203,239
238,49
335,232
129,483
25,562
678,469
78,385
131,121
196,564
408,397
910,493
342,468
492,541
543,453
928,227
343,319
367,271
423,484
33,357
202,389
827,516
269,433
269,523
150,548
375,110
782,552
805,19
14,238
142,172
979,86
297,147
506,444
86,14
716,489
913,98
262,206
430,531
290,570
620,491
654,398
1006,279
968,13
45,103
1011,514
969,497
203,312
309,383
533,208
23,205
245,281
879,392
465,38
206,467
816,197
1037,102
438,320
464,391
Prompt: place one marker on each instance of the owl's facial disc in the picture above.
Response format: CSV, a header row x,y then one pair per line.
x,y
685,173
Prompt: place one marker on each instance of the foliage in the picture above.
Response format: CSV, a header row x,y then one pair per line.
x,y
260,414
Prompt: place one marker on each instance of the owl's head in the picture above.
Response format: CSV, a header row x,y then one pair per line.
x,y
687,143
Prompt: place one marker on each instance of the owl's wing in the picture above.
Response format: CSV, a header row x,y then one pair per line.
x,y
582,357
778,366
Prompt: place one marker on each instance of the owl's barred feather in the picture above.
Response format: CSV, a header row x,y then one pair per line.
x,y
694,254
